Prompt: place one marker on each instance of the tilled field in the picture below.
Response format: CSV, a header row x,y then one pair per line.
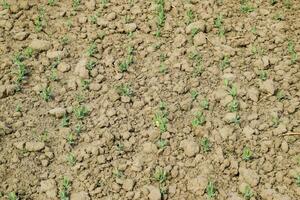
x,y
149,99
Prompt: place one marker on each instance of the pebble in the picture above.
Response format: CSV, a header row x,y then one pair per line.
x,y
55,54
154,193
197,185
80,196
225,132
49,187
34,146
250,176
20,36
253,94
149,147
131,27
200,39
40,45
63,67
268,86
81,70
58,112
190,147
128,184
200,25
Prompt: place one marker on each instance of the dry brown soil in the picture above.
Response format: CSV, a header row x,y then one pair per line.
x,y
97,102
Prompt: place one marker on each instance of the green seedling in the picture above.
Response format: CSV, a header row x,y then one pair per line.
x,y
254,30
204,104
124,90
65,189
93,19
160,16
280,95
194,94
18,108
78,128
273,2
162,68
92,49
275,121
69,24
70,139
199,119
123,66
288,4
247,193
205,144
84,84
71,159
160,175
5,5
211,190
236,120
46,94
91,64
118,173
234,105
20,72
233,91
292,51
80,112
246,7
263,75
224,63
190,16
101,35
161,143
278,17
75,4
51,2
298,180
45,136
65,122
28,52
120,146
194,32
247,154
197,62
104,3
39,21
64,40
160,118
56,62
226,82
53,75
13,196
219,25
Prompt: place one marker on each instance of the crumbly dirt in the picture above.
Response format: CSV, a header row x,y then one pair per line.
x,y
93,95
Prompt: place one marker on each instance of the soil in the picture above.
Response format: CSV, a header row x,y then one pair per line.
x,y
101,101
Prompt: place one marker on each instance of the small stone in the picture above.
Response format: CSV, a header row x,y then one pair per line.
x,y
200,39
19,145
230,117
250,176
154,193
55,54
58,112
225,132
131,27
20,36
253,94
81,70
149,147
268,86
284,146
111,16
190,147
49,187
40,45
90,4
179,40
34,146
197,185
128,184
95,86
248,132
199,25
63,67
80,196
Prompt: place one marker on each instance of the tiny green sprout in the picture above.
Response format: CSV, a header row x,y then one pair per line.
x,y
70,139
205,144
236,120
53,75
65,189
92,49
247,154
292,51
280,95
120,146
64,40
84,84
219,25
123,66
254,30
90,65
194,94
234,105
56,62
194,32
226,82
204,104
247,193
78,128
46,94
124,90
38,22
298,180
224,63
101,35
93,19
69,23
273,2
13,196
233,91
199,119
5,5
160,175
211,190
288,4
275,121
118,173
278,16
71,159
190,16
160,120
104,3
246,7
51,2
161,143
65,122
18,108
44,136
263,75
162,68
80,112
75,4
162,106
28,52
